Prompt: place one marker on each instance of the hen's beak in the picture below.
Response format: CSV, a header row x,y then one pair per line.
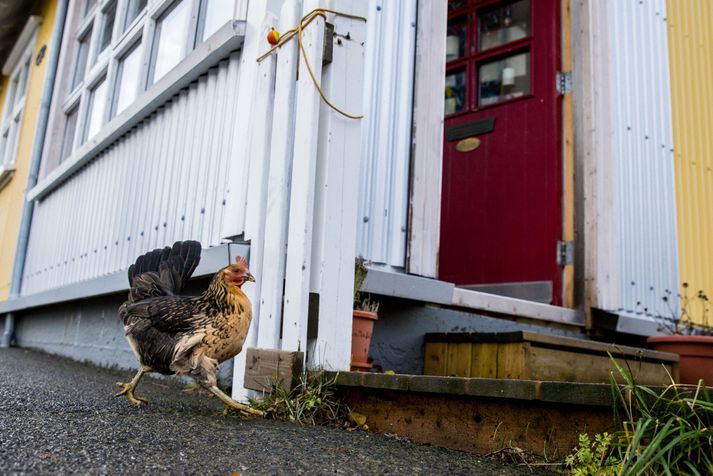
x,y
250,277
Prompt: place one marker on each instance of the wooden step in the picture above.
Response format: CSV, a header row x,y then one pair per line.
x,y
532,356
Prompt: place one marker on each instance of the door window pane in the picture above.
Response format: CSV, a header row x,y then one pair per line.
x,y
97,108
455,92
504,79
504,24
456,41
171,38
80,63
456,4
70,127
132,11
127,79
107,27
216,14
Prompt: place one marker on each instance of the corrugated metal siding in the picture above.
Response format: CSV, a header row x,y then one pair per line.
x,y
388,79
165,180
691,47
643,145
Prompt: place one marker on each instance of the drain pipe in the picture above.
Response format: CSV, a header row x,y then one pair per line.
x,y
39,143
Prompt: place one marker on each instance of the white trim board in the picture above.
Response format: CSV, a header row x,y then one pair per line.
x,y
25,38
212,259
206,55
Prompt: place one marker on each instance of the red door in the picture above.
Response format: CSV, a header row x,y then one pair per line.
x,y
502,172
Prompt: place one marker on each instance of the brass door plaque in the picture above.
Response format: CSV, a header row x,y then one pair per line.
x,y
468,144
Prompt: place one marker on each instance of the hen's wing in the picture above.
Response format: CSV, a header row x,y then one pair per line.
x,y
163,271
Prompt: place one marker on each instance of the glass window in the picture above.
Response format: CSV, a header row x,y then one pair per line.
x,y
80,63
132,11
504,79
457,39
22,85
215,14
97,108
3,146
127,79
10,136
456,4
170,43
504,24
455,91
107,27
70,127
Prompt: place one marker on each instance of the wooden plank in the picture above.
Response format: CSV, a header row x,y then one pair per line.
x,y
267,368
435,359
430,74
484,360
458,360
278,187
564,366
513,360
337,191
568,145
304,164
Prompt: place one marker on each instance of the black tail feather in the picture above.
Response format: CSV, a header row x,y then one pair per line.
x,y
166,270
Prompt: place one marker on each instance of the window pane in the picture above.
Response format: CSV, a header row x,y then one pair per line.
x,y
97,107
3,146
80,63
70,127
455,92
456,40
107,27
135,7
217,13
11,142
504,24
171,34
14,85
22,85
504,79
128,79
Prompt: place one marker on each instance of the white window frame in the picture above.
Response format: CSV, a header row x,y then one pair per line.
x,y
13,112
141,29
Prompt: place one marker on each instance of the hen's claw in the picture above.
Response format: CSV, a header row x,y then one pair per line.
x,y
128,391
230,403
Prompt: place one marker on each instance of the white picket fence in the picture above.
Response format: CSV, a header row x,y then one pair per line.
x,y
302,187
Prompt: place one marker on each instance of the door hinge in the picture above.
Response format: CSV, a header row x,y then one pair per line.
x,y
328,48
564,82
565,253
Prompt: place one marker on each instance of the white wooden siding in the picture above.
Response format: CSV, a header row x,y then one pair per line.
x,y
164,180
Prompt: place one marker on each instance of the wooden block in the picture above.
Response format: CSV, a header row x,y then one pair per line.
x,y
435,359
484,360
513,360
266,368
459,357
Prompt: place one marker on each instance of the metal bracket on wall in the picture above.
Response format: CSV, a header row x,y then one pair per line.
x,y
328,50
564,82
565,253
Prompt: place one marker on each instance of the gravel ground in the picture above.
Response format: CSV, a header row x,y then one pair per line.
x,y
60,416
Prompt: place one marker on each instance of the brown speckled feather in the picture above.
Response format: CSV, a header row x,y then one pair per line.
x,y
178,334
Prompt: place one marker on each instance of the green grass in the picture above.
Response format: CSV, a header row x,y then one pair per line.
x,y
663,431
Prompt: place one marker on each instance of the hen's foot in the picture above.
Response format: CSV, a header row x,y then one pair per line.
x,y
128,392
232,404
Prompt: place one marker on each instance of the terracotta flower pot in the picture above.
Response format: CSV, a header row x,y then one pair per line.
x,y
362,329
696,355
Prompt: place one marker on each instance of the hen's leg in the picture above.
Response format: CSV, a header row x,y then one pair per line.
x,y
128,389
233,404
204,375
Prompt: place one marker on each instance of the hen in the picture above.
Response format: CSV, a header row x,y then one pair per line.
x,y
184,335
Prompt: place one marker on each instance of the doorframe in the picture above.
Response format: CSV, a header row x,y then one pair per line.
x,y
424,219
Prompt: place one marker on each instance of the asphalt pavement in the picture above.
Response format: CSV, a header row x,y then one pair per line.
x,y
58,416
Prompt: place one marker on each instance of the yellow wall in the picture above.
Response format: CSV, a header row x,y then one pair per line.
x,y
12,196
691,60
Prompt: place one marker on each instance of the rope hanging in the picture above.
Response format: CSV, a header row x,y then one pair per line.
x,y
297,31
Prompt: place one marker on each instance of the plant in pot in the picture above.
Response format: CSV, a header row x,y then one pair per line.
x,y
691,339
363,317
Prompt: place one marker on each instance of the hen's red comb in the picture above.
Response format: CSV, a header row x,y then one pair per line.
x,y
241,260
